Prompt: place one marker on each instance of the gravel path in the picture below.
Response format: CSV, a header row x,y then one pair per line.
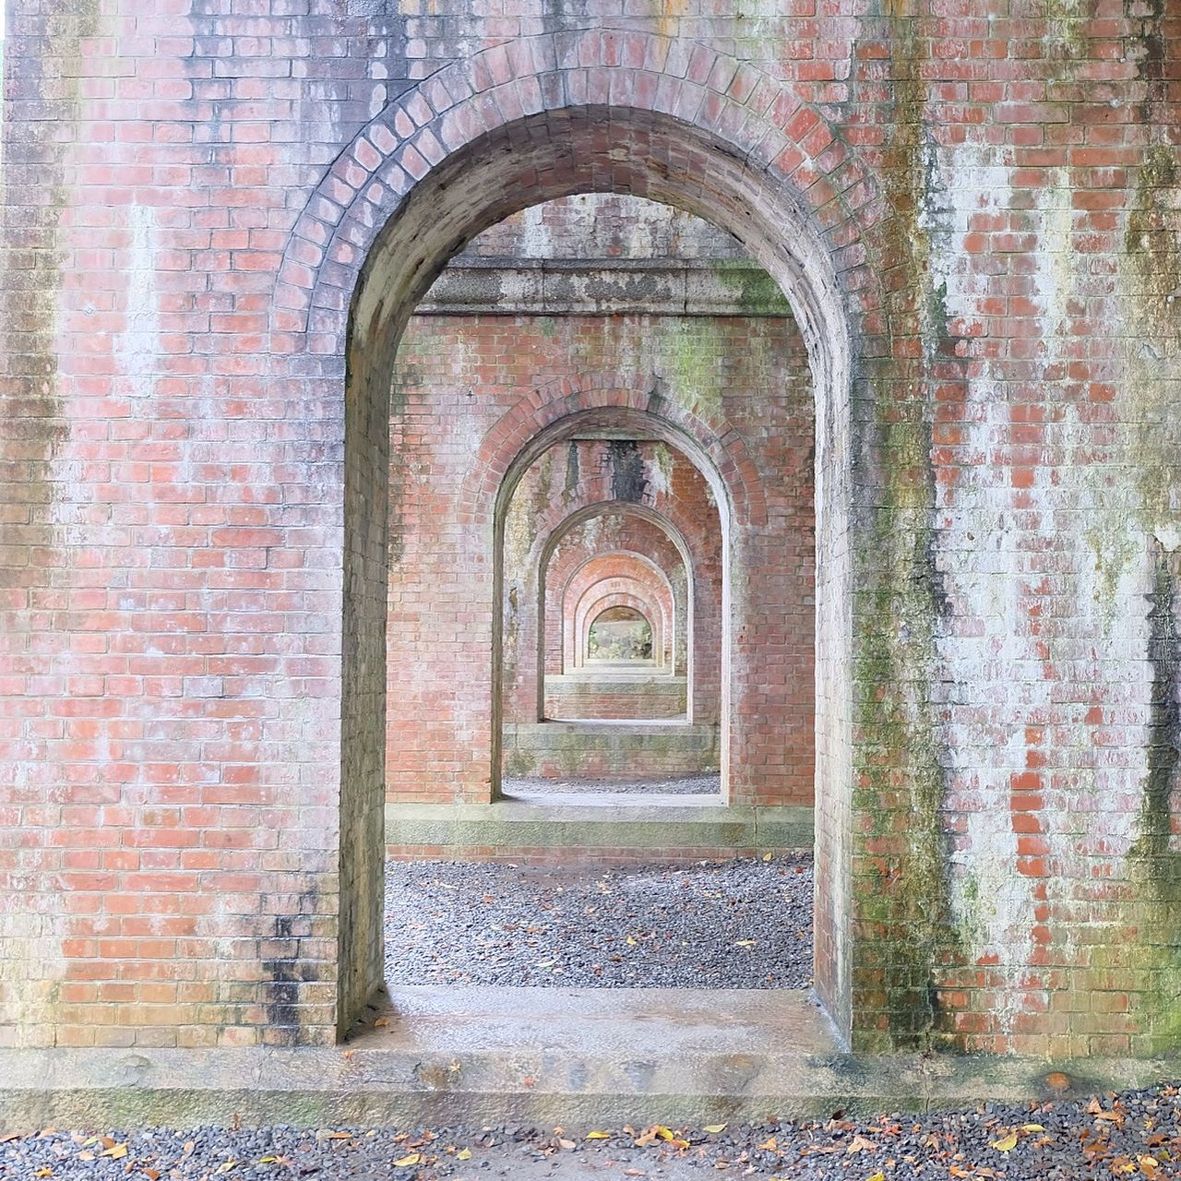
x,y
1135,1134
732,924
685,785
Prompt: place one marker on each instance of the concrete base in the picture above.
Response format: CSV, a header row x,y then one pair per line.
x,y
595,748
575,1057
594,825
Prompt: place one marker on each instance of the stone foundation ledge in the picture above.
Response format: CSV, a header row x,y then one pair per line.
x,y
92,1090
669,828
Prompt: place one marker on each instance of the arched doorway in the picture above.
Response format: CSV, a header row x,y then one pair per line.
x,y
465,172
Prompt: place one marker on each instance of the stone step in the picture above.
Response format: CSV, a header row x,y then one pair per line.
x,y
593,825
610,748
578,1058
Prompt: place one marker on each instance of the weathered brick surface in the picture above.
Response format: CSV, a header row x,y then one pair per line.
x,y
974,211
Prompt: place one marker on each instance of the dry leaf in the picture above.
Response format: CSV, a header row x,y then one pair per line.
x,y
630,941
714,1129
744,943
1149,1166
1005,1143
880,1176
769,1145
663,1132
115,1151
768,856
861,1144
152,1174
598,1135
270,1160
86,1155
405,1161
464,1154
226,1166
1032,1128
567,1144
328,1134
43,1171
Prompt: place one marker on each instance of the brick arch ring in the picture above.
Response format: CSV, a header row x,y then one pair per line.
x,y
646,401
778,177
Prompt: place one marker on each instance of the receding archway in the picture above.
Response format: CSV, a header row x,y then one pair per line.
x,y
475,182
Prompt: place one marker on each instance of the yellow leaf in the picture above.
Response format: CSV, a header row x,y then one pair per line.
x,y
1032,1128
598,1135
878,1176
1005,1143
630,941
44,1171
769,1145
115,1151
768,856
269,1160
714,1129
663,1132
412,1159
464,1154
1149,1166
226,1166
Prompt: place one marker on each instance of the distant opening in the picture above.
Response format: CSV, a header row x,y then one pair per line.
x,y
620,635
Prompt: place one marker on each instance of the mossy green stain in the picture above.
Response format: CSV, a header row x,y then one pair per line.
x,y
695,350
1155,866
756,293
906,921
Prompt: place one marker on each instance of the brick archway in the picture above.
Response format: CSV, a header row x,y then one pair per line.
x,y
513,126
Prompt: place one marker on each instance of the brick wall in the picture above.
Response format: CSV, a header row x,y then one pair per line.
x,y
215,227
457,375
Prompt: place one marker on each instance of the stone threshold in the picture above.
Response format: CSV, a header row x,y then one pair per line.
x,y
580,1058
603,821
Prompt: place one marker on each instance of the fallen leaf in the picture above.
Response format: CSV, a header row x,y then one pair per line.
x,y
115,1151
566,1144
464,1154
43,1171
768,856
769,1145
744,943
631,943
86,1155
226,1166
381,1023
714,1129
663,1132
152,1174
880,1176
1005,1143
860,1144
269,1160
956,1171
406,1161
598,1135
1032,1128
1149,1166
328,1134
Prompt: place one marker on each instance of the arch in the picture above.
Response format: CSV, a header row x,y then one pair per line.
x,y
645,579
524,122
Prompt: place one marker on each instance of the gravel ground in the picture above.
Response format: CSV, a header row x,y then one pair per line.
x,y
1134,1134
734,924
686,785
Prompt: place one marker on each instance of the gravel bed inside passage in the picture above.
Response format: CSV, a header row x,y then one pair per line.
x,y
743,923
1133,1134
708,785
